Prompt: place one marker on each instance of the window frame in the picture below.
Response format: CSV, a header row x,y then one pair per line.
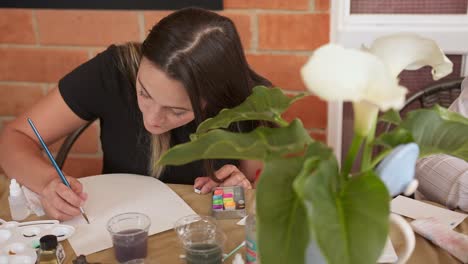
x,y
355,30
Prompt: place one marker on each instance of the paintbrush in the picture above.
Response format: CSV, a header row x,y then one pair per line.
x,y
54,163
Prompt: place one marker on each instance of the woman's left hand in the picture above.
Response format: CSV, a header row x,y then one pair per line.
x,y
229,174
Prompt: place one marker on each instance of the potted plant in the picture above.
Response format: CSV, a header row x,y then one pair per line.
x,y
303,195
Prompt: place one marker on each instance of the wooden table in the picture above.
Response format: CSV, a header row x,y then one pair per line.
x,y
426,252
164,247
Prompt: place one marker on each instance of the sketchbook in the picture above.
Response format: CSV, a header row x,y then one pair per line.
x,y
112,194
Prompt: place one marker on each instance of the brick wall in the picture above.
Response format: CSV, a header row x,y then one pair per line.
x,y
37,47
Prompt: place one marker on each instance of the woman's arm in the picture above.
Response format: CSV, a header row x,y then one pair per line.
x,y
20,152
21,157
251,169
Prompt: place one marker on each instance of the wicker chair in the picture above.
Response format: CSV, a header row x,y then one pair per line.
x,y
442,93
68,143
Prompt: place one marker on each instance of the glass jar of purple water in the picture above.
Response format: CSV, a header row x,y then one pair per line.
x,y
129,233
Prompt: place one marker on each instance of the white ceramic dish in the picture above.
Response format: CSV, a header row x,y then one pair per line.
x,y
19,240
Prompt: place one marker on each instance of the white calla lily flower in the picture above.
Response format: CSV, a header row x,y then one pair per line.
x,y
338,74
369,78
408,51
365,115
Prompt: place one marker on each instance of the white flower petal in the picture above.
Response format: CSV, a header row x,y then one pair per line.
x,y
383,90
327,73
338,74
365,115
409,51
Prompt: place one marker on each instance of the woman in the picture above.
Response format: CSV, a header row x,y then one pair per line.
x,y
147,98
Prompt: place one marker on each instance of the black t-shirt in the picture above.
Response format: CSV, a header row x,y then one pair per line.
x,y
98,89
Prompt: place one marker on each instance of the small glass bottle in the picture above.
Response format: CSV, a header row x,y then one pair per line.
x,y
18,205
48,251
251,238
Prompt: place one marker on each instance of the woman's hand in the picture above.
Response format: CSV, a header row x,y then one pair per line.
x,y
61,202
229,174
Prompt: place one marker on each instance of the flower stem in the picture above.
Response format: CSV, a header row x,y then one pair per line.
x,y
351,156
367,152
379,158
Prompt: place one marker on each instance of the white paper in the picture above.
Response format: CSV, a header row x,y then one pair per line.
x,y
242,221
112,194
417,210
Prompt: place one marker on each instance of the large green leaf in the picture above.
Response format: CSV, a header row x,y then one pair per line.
x,y
349,222
365,202
282,228
316,154
394,138
446,114
253,145
438,130
264,104
391,116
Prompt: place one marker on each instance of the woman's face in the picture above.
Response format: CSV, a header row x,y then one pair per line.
x,y
163,101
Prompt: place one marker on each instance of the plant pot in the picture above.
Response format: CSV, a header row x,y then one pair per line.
x,y
397,224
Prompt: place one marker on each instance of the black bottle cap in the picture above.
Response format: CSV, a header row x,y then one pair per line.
x,y
48,242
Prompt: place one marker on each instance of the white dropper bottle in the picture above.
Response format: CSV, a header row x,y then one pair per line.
x,y
18,205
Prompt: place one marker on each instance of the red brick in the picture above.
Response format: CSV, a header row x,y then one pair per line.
x,y
94,28
16,26
282,70
311,110
293,31
152,18
38,65
242,22
322,5
81,167
87,143
267,4
56,146
96,51
319,136
15,99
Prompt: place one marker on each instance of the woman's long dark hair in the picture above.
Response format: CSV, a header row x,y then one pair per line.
x,y
203,51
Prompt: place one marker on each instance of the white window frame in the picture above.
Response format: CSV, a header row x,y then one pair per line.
x,y
354,30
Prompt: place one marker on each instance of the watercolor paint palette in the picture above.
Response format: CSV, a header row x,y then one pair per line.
x,y
228,202
20,240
